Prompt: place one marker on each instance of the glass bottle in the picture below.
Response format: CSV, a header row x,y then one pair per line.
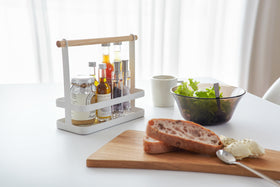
x,y
117,51
103,92
126,84
117,86
92,72
106,60
83,93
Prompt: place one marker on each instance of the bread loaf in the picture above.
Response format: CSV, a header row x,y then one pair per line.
x,y
153,146
185,135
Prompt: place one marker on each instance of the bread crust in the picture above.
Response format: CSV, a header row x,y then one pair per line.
x,y
159,129
153,146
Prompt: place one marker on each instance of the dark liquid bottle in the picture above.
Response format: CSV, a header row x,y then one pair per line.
x,y
117,86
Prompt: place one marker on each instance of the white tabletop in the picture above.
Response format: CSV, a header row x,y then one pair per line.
x,y
35,153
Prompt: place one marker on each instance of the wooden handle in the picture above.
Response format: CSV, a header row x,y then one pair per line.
x,y
96,41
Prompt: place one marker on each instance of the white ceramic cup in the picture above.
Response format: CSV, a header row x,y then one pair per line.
x,y
161,85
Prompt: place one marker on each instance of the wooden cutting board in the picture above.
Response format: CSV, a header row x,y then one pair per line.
x,y
126,151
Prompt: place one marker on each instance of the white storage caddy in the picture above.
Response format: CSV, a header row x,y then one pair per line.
x,y
65,102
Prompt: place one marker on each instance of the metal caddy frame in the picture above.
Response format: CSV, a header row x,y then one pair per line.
x,y
65,102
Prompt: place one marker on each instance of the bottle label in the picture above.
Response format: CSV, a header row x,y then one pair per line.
x,y
106,111
82,99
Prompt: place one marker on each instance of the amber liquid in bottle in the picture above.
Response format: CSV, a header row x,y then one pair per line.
x,y
103,92
109,69
109,66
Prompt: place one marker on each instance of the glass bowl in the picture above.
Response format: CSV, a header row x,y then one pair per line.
x,y
209,111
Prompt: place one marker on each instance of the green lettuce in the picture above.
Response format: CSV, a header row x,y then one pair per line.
x,y
191,89
202,111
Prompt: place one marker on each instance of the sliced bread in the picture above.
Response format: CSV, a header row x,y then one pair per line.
x,y
153,146
185,135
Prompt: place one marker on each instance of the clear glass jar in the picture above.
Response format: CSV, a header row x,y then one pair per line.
x,y
117,51
83,92
126,85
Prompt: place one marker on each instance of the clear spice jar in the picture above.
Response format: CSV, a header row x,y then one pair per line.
x,y
126,85
83,92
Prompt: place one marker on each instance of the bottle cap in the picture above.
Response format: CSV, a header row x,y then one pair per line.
x,y
107,44
117,66
125,66
118,43
92,64
102,66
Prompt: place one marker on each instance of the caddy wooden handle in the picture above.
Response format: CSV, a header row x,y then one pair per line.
x,y
62,43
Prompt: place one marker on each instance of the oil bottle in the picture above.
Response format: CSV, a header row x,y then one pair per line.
x,y
103,92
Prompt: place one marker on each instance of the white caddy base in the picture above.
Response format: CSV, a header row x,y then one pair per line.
x,y
135,113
